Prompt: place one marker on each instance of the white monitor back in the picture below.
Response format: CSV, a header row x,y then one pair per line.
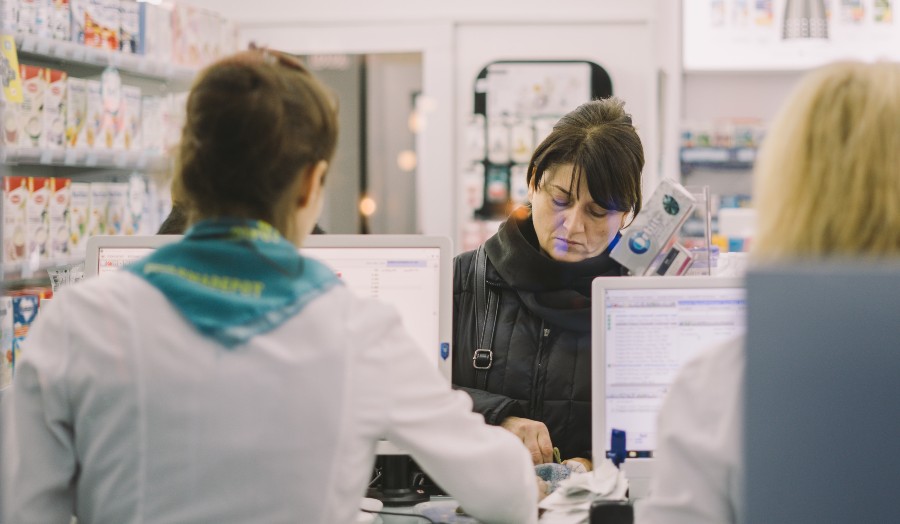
x,y
643,330
823,394
413,273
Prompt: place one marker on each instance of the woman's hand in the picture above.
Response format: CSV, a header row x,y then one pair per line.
x,y
534,435
542,488
579,465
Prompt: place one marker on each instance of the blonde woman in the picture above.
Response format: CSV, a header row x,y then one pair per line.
x,y
827,186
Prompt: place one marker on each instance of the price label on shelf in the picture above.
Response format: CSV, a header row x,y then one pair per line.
x,y
43,46
121,159
46,157
78,53
71,157
28,44
142,160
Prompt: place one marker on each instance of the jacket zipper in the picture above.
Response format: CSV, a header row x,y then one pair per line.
x,y
536,405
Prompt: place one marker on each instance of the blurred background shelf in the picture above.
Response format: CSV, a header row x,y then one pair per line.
x,y
30,46
17,275
84,158
733,158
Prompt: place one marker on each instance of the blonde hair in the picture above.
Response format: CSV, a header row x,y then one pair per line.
x,y
828,175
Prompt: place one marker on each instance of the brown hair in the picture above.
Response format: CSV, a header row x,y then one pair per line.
x,y
599,139
254,121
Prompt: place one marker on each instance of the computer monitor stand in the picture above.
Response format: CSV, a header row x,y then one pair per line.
x,y
396,483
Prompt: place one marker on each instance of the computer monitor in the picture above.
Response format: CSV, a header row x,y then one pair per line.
x,y
822,394
413,273
108,253
643,330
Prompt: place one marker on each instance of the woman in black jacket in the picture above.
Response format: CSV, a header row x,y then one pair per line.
x,y
522,300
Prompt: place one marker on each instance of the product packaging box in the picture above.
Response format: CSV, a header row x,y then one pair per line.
x,y
129,26
9,14
15,198
79,216
60,20
98,206
76,112
111,100
117,209
37,218
10,137
31,115
95,23
6,338
129,137
54,114
155,31
152,124
137,196
652,230
91,131
25,310
60,198
33,17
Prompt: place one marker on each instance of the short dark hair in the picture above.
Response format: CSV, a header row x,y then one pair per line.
x,y
254,121
599,139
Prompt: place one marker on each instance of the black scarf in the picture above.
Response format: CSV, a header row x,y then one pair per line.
x,y
558,292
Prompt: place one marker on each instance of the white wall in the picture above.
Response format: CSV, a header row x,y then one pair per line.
x,y
441,32
281,12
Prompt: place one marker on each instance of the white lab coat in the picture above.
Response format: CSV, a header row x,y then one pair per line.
x,y
122,413
698,475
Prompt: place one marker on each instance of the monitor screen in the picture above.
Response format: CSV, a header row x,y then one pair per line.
x,y
110,259
649,335
408,278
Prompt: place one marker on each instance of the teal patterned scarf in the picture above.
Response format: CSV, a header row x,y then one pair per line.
x,y
233,279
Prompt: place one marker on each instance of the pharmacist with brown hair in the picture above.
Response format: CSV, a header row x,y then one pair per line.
x,y
226,378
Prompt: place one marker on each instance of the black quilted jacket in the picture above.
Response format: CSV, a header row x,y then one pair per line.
x,y
542,345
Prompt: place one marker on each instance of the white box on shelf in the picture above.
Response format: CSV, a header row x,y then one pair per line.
x,y
129,26
111,99
129,137
60,199
79,216
137,196
117,209
60,20
9,15
93,123
54,114
156,31
33,17
98,205
37,221
152,124
31,120
15,236
76,112
95,23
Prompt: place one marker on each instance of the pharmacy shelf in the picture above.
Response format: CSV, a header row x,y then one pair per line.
x,y
17,275
75,53
717,158
84,158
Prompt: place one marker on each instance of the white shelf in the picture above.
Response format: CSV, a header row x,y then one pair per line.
x,y
25,271
85,158
75,53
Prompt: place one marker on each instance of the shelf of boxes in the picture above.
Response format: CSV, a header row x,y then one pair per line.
x,y
85,158
25,272
30,46
717,158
